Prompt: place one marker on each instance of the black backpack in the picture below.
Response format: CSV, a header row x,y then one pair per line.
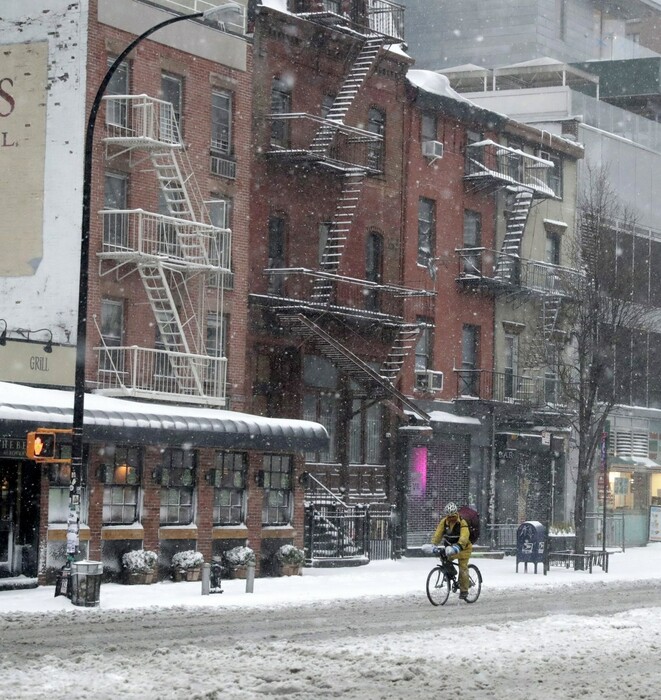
x,y
472,518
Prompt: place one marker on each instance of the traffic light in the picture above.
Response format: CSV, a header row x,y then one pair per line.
x,y
41,445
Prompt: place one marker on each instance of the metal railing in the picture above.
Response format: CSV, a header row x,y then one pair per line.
x,y
386,17
492,163
532,275
293,133
502,536
141,118
233,21
503,387
133,233
135,371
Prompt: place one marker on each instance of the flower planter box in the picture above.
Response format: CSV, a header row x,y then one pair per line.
x,y
239,572
290,569
187,574
140,578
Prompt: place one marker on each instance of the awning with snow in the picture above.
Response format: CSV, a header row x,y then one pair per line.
x,y
632,463
108,419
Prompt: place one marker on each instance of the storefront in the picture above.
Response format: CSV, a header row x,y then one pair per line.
x,y
164,477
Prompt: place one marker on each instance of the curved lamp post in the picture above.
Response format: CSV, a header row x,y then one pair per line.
x,y
81,335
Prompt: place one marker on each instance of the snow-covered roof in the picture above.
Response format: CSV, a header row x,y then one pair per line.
x,y
122,419
436,84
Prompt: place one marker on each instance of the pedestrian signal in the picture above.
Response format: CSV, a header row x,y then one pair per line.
x,y
41,445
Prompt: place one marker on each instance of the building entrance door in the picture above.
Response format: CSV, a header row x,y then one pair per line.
x,y
7,497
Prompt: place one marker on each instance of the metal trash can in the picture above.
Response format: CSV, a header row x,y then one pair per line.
x,y
86,583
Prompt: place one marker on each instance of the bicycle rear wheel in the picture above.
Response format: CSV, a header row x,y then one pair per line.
x,y
474,583
438,586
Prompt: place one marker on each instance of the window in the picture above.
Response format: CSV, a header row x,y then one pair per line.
x,y
473,156
514,167
511,364
217,328
172,91
423,350
376,124
426,225
167,230
555,178
117,110
115,224
112,333
552,248
373,268
280,104
277,504
327,105
366,433
122,475
320,402
177,477
221,122
472,239
468,385
220,215
229,481
427,127
276,253
324,232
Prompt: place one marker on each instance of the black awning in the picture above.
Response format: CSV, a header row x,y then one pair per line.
x,y
108,419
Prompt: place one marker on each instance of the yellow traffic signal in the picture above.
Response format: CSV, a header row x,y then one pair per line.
x,y
41,445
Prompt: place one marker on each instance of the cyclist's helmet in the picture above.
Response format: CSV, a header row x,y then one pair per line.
x,y
451,509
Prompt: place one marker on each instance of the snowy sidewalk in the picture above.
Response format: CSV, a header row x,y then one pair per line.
x,y
389,578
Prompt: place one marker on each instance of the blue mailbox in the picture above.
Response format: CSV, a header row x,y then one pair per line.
x,y
530,541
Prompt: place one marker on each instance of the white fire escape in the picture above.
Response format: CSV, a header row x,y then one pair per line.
x,y
176,255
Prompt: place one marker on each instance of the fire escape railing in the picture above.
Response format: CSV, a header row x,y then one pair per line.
x,y
292,135
492,164
386,17
478,265
500,387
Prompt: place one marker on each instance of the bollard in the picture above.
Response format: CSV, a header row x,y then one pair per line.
x,y
206,578
250,577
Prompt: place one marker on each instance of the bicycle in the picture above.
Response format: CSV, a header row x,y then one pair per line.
x,y
444,577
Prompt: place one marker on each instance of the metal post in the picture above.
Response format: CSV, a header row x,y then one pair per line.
x,y
250,576
604,472
206,578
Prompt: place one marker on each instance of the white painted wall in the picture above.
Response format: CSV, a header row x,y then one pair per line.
x,y
49,297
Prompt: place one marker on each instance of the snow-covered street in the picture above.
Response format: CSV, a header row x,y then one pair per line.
x,y
354,633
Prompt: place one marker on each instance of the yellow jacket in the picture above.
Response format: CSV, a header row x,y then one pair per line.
x,y
458,534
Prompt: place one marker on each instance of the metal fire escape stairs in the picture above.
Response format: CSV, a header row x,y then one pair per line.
x,y
510,255
168,278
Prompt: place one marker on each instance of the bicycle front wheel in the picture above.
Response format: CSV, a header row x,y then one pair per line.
x,y
438,586
474,583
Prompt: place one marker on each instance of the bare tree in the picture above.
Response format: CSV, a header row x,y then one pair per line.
x,y
597,309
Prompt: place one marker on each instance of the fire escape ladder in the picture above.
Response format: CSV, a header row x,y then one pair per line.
x,y
173,328
551,304
345,211
353,81
516,223
346,361
404,342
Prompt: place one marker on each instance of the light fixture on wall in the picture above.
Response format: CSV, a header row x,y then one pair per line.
x,y
28,333
3,335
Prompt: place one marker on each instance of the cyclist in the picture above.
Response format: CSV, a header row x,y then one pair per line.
x,y
452,533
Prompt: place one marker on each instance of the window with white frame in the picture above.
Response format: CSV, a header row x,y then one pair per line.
x,y
121,474
221,122
469,383
220,214
172,91
117,109
229,480
115,197
423,351
277,503
472,239
426,224
112,334
177,476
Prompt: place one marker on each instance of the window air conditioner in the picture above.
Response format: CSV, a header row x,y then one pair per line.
x,y
429,380
432,149
435,380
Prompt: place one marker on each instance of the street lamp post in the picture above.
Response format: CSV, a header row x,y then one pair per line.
x,y
81,334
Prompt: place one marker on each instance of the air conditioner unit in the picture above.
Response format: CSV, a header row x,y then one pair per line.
x,y
432,149
435,380
429,380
